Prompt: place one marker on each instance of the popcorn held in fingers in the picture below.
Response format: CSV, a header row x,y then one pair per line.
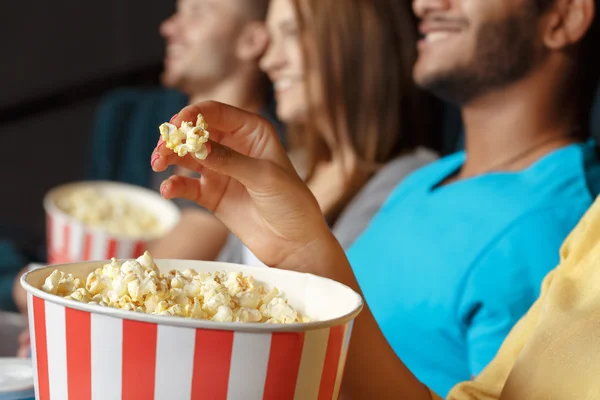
x,y
137,285
186,139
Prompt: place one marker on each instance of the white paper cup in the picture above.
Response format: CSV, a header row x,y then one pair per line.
x,y
16,379
70,240
83,351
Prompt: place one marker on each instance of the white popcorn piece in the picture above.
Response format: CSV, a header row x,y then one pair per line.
x,y
194,310
51,283
94,283
97,298
186,139
248,299
224,314
189,274
247,315
177,282
213,299
177,310
61,284
149,285
270,296
134,291
178,296
138,286
80,295
234,283
151,303
281,311
133,267
147,262
162,306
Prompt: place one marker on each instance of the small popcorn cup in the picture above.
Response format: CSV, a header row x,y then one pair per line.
x,y
70,240
16,379
83,351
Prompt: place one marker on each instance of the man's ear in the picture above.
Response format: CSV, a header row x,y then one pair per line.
x,y
567,23
252,41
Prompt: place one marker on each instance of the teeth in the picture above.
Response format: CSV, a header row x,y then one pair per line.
x,y
284,84
436,36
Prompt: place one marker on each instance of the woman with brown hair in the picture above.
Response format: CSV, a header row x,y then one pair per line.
x,y
357,123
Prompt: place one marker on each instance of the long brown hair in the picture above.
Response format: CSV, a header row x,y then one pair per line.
x,y
365,51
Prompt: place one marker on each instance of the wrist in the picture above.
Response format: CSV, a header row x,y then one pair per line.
x,y
323,256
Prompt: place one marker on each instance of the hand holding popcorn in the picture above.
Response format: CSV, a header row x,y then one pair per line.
x,y
250,184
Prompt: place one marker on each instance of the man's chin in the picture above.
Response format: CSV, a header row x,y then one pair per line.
x,y
425,75
451,87
169,80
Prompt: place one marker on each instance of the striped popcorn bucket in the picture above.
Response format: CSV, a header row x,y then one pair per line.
x,y
83,352
69,240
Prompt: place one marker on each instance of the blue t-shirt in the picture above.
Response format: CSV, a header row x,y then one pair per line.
x,y
448,270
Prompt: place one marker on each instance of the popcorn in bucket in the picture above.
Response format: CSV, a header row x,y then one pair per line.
x,y
86,351
101,220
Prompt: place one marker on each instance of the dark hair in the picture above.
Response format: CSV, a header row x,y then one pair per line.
x,y
586,75
365,52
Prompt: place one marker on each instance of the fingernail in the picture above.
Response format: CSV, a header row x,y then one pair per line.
x,y
155,157
208,148
173,117
159,144
163,187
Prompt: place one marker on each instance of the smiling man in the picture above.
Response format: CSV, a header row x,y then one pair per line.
x,y
213,48
461,246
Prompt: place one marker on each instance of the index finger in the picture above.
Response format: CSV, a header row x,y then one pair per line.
x,y
242,131
220,117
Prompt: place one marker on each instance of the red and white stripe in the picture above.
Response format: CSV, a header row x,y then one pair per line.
x,y
70,241
84,356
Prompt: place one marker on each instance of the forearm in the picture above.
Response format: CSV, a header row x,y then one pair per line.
x,y
198,236
19,294
373,371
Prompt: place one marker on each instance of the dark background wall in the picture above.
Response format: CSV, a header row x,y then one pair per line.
x,y
58,59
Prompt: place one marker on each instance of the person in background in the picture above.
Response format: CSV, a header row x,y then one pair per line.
x,y
457,253
213,49
357,129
